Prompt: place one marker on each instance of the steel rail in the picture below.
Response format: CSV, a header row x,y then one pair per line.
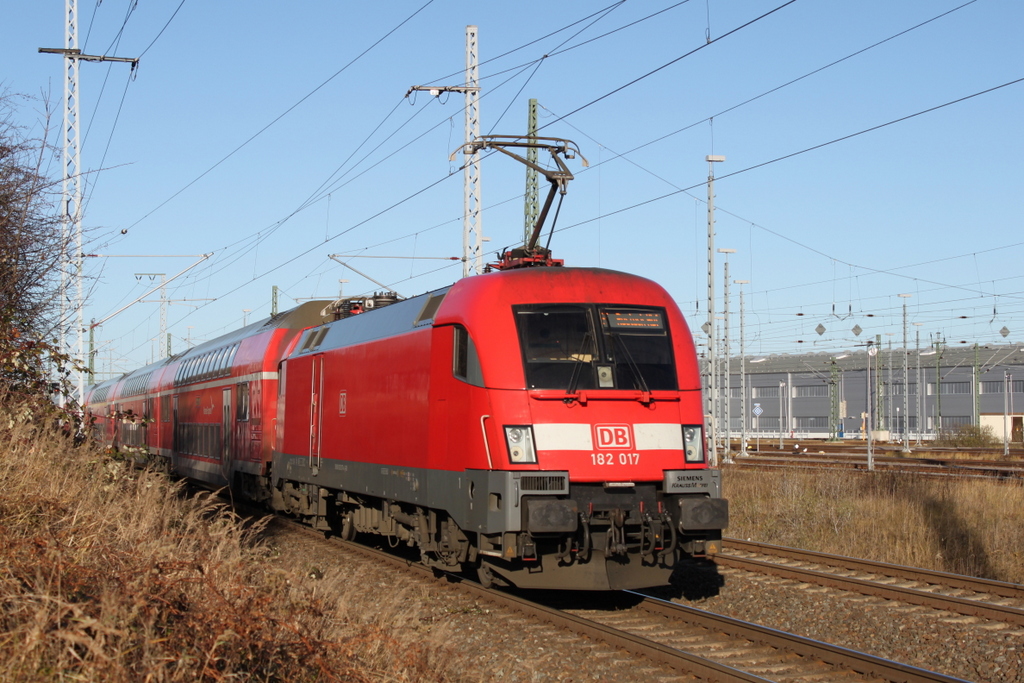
x,y
1003,589
913,596
858,463
835,655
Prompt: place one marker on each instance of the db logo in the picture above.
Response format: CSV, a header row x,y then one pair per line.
x,y
613,436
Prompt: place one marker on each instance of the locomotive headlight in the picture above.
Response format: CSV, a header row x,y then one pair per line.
x,y
693,443
519,439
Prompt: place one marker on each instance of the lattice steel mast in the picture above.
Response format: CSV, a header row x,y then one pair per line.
x,y
71,187
472,224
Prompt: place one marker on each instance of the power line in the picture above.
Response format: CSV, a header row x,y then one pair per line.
x,y
792,155
281,115
670,63
174,14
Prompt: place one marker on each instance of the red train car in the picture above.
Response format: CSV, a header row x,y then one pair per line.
x,y
541,425
209,412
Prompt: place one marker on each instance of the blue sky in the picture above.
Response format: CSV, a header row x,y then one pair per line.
x,y
273,135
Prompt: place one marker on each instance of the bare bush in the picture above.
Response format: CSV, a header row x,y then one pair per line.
x,y
967,436
33,252
110,574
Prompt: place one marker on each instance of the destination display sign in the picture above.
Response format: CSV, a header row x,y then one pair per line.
x,y
634,320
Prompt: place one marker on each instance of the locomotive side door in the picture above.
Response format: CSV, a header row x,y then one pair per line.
x,y
316,393
225,430
175,438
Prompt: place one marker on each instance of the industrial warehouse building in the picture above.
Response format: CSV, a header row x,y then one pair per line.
x,y
912,394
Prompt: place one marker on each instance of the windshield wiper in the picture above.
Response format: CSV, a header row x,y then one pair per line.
x,y
631,363
577,368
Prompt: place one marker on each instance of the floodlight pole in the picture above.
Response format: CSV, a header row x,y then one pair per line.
x,y
919,402
871,453
726,375
782,389
1007,386
743,372
711,383
906,380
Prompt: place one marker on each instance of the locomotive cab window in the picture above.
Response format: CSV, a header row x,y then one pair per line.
x,y
465,362
641,347
558,346
585,346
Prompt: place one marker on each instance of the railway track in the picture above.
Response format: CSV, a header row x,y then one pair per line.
x,y
690,641
994,600
987,469
766,654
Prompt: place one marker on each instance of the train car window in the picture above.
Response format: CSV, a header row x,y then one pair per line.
x,y
219,362
558,346
242,402
165,408
465,362
231,355
639,344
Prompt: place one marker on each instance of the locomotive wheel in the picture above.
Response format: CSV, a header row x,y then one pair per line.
x,y
485,576
348,529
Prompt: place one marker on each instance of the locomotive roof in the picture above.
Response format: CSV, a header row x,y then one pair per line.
x,y
480,295
542,285
397,318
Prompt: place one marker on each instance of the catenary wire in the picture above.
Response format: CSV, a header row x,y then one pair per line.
x,y
281,115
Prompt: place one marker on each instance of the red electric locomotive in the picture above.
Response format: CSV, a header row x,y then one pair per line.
x,y
542,425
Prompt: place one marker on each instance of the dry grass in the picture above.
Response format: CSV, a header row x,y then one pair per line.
x,y
955,525
110,574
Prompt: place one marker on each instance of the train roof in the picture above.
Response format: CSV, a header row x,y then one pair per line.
x,y
551,285
376,323
308,314
479,296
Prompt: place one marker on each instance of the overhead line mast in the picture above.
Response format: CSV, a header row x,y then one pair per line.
x,y
472,228
532,209
71,219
